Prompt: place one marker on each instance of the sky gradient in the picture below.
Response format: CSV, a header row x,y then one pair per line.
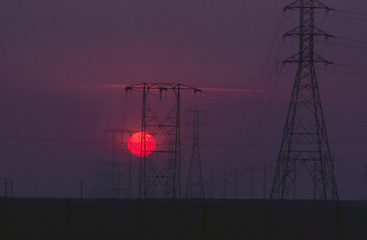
x,y
64,65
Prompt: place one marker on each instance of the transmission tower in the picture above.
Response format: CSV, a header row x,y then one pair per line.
x,y
117,179
162,168
305,143
195,185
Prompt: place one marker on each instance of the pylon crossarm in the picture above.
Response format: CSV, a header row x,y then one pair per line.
x,y
319,59
316,5
162,86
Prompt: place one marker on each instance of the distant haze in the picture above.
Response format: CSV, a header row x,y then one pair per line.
x,y
64,65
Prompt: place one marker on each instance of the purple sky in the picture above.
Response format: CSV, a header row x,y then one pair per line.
x,y
62,63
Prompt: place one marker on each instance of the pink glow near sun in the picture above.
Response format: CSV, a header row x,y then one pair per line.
x,y
134,144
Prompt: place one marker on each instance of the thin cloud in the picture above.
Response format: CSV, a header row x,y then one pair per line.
x,y
214,89
87,85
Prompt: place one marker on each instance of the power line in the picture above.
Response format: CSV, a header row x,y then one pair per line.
x,y
56,140
352,18
235,130
228,106
346,45
274,111
206,144
351,67
348,73
351,12
351,40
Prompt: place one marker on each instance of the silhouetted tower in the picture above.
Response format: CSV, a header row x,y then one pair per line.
x,y
305,143
118,170
195,185
162,168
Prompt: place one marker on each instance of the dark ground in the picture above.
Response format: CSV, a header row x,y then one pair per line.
x,y
163,219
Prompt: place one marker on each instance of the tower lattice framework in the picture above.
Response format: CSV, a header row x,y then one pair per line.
x,y
118,172
305,143
195,185
162,168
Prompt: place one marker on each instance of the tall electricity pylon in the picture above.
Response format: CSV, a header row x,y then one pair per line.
x,y
195,185
305,142
162,168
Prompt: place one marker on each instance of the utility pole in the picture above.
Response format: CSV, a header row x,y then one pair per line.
x,y
211,186
257,176
223,181
165,172
305,143
226,180
6,182
235,183
11,188
195,185
253,183
235,174
264,186
81,189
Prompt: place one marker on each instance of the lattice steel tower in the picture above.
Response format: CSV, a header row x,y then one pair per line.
x,y
162,168
305,143
195,185
117,172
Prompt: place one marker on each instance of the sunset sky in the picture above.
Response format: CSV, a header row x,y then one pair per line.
x,y
64,65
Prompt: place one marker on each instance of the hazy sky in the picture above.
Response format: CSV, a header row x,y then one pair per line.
x,y
62,61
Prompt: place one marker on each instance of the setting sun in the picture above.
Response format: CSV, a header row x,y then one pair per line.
x,y
135,146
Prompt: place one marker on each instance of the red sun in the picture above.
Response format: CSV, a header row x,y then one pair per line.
x,y
135,146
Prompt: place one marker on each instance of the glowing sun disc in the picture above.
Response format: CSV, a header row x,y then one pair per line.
x,y
135,146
